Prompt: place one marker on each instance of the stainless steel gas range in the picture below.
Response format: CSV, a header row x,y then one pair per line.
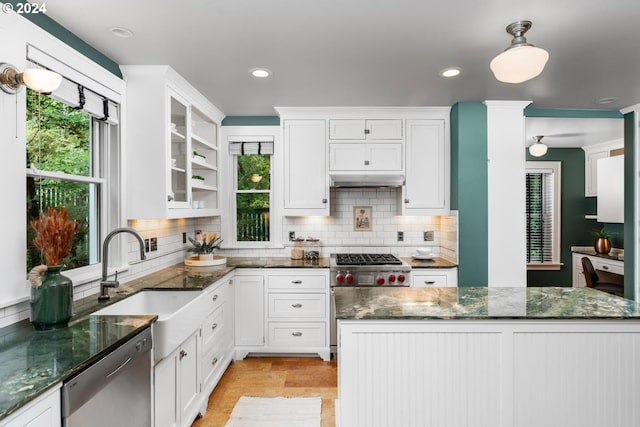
x,y
364,270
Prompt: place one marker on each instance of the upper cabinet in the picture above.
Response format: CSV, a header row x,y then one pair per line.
x,y
593,153
306,182
172,146
426,190
611,189
358,129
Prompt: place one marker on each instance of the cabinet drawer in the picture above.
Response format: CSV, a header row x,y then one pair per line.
x,y
297,282
212,363
213,327
216,296
429,280
608,266
297,306
289,334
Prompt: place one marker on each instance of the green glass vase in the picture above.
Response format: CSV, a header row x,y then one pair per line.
x,y
52,301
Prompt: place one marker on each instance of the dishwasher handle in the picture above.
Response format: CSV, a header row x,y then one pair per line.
x,y
80,388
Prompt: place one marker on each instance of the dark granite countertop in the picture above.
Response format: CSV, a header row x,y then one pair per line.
x,y
613,256
481,303
34,361
436,262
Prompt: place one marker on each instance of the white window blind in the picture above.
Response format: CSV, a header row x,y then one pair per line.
x,y
540,215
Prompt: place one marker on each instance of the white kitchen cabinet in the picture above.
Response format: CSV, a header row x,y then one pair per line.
x,y
177,385
172,146
434,277
43,411
610,201
426,190
306,183
593,153
365,157
361,129
249,311
604,264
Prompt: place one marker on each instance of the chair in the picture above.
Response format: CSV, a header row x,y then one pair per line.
x,y
593,281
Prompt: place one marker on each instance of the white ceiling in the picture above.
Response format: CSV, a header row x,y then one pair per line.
x,y
572,133
369,52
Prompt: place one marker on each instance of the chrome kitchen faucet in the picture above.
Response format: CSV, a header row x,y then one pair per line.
x,y
104,283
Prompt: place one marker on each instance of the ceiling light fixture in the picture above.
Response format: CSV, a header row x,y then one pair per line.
x,y
538,149
260,72
606,101
38,79
521,61
450,72
121,32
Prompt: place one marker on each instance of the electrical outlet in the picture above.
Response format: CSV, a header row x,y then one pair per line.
x,y
428,236
196,233
400,236
184,237
146,245
292,235
154,244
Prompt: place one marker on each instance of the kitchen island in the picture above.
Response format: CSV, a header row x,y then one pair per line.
x,y
510,357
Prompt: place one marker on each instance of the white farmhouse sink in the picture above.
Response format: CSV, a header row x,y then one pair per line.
x,y
180,314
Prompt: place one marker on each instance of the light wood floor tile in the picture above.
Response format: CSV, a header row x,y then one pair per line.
x,y
271,377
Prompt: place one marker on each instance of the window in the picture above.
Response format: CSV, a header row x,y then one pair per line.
x,y
252,191
543,215
70,155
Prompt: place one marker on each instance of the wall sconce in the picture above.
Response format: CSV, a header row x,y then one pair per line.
x,y
521,61
38,79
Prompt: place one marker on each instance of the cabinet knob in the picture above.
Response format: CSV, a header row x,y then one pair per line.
x,y
215,297
183,354
215,325
296,305
406,200
296,282
324,201
604,267
169,198
367,131
366,162
214,361
296,334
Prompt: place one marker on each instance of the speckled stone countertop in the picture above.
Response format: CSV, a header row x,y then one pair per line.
x,y
614,256
436,262
34,361
481,303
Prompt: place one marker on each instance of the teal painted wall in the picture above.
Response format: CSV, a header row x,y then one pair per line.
x,y
251,121
61,33
576,114
629,203
575,229
469,190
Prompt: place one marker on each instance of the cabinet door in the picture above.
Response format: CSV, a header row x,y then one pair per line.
x,y
348,156
347,129
43,411
249,310
611,189
306,188
591,172
178,149
384,129
384,157
189,386
426,170
165,377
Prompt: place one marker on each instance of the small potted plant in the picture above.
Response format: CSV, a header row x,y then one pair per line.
x,y
602,245
204,245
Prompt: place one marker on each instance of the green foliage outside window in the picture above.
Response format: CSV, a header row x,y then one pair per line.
x,y
253,198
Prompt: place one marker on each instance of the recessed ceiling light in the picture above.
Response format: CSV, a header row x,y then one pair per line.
x,y
122,32
451,72
605,101
260,72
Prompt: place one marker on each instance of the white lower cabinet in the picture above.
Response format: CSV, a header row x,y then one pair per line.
x,y
293,317
177,385
434,277
599,263
43,411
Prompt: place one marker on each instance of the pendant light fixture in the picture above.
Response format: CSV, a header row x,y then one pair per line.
x,y
538,149
521,61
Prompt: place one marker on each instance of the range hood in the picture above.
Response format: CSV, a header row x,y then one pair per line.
x,y
349,180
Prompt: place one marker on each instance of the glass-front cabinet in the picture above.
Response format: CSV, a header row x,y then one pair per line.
x,y
172,138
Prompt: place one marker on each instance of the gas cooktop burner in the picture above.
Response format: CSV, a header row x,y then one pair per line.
x,y
367,259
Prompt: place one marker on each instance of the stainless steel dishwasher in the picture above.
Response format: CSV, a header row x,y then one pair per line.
x,y
114,391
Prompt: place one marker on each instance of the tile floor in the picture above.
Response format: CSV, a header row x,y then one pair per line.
x,y
269,377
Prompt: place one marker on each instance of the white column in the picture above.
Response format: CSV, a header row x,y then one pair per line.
x,y
636,208
506,193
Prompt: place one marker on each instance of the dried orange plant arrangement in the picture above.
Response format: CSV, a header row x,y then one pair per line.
x,y
54,233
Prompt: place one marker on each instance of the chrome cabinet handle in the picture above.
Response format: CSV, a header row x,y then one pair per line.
x,y
215,297
215,325
296,282
296,334
296,305
214,361
183,354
